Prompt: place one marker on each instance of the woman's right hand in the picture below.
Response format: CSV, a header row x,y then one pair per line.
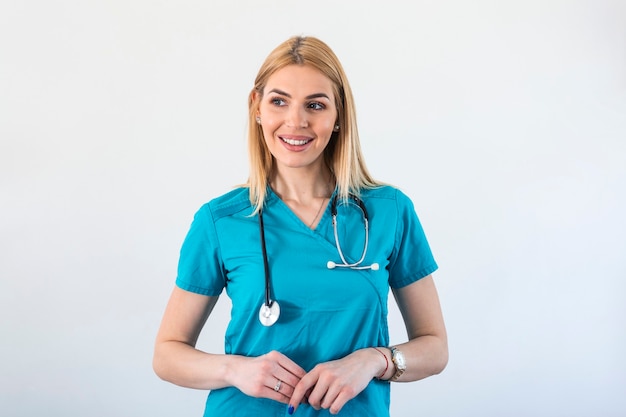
x,y
178,361
272,375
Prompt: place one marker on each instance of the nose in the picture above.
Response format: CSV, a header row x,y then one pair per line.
x,y
297,118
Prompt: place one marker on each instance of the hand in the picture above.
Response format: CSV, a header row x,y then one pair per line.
x,y
332,384
259,377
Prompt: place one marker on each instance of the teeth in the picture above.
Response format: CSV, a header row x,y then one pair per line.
x,y
295,142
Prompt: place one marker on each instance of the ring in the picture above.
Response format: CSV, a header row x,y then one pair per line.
x,y
277,386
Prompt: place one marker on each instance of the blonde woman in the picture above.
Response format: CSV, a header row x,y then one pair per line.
x,y
307,251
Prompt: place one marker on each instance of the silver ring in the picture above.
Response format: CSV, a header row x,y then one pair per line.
x,y
277,386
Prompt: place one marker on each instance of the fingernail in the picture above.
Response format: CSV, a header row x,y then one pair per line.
x,y
290,409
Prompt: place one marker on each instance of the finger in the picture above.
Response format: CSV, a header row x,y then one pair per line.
x,y
287,384
303,388
281,362
339,402
330,396
285,372
306,395
278,392
287,377
290,366
285,388
276,366
317,395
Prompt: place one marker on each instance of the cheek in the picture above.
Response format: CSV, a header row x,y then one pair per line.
x,y
271,117
267,135
328,127
269,125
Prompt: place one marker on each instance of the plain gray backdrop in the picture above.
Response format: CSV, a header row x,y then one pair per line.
x,y
505,121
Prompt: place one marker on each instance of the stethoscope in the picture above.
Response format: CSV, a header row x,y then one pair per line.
x,y
270,309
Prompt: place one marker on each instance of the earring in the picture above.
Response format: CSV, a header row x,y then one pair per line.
x,y
258,120
336,127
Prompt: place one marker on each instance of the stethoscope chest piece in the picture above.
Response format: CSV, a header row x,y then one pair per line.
x,y
268,314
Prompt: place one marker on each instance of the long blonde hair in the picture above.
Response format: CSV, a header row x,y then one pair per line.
x,y
343,154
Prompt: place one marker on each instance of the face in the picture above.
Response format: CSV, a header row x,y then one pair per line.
x,y
298,115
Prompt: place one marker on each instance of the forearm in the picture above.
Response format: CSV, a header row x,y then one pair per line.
x,y
184,365
426,352
425,356
331,384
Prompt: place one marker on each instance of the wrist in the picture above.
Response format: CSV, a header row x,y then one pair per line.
x,y
399,362
386,368
231,369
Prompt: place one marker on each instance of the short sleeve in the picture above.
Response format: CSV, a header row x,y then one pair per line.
x,y
412,258
199,266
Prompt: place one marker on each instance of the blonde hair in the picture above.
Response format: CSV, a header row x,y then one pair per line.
x,y
343,154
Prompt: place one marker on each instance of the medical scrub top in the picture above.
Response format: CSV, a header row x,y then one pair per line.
x,y
326,314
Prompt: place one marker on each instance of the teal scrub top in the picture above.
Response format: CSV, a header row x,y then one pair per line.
x,y
326,314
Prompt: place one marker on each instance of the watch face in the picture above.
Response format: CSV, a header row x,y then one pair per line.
x,y
400,360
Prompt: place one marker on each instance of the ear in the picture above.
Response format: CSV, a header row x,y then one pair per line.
x,y
253,102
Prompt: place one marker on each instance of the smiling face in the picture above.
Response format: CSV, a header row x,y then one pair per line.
x,y
298,115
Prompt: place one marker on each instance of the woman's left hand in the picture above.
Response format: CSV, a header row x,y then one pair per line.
x,y
331,385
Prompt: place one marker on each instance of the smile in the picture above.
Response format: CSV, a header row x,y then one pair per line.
x,y
295,142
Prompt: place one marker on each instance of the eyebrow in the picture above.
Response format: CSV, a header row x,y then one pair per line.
x,y
309,97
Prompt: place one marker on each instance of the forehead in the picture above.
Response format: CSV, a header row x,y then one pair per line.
x,y
300,80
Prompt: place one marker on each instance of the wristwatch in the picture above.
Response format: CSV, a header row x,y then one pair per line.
x,y
398,360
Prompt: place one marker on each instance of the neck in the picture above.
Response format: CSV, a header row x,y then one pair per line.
x,y
302,186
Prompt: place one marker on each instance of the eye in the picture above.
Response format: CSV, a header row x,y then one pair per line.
x,y
277,101
316,105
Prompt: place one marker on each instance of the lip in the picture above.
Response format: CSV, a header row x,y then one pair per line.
x,y
295,142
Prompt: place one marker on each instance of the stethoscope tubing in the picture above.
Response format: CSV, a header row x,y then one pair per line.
x,y
266,266
270,309
333,211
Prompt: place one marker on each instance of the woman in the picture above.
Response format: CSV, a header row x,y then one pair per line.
x,y
319,343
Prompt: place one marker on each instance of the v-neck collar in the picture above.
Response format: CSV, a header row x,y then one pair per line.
x,y
272,197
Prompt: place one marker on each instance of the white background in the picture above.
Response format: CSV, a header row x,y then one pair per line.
x,y
505,121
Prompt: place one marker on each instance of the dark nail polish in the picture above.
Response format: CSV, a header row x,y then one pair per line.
x,y
290,409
